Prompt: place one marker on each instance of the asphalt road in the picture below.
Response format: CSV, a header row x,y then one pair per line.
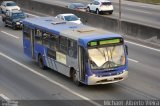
x,y
21,78
145,14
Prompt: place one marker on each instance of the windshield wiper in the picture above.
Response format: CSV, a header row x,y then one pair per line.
x,y
102,52
112,52
108,57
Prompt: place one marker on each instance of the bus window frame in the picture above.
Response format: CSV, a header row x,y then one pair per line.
x,y
39,36
26,32
55,43
63,47
46,40
51,53
73,48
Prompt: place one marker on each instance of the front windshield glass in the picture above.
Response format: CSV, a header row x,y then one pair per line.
x,y
106,57
18,16
71,18
11,4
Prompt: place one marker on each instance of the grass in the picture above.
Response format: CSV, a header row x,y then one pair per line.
x,y
147,1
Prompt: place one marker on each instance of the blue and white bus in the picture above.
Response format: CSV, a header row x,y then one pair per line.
x,y
85,54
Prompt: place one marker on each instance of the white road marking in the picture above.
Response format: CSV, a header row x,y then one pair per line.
x,y
133,60
10,34
158,50
4,97
49,79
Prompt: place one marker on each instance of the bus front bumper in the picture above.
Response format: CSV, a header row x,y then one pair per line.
x,y
94,80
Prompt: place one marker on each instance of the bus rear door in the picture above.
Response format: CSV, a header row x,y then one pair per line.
x,y
28,42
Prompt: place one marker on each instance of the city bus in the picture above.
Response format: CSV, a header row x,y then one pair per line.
x,y
86,54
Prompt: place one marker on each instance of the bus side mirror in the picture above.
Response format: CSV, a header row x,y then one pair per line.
x,y
126,47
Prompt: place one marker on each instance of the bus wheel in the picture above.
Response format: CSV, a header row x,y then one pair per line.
x,y
41,63
74,78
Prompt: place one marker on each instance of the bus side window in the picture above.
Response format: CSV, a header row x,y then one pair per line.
x,y
26,32
46,39
72,48
63,45
38,36
54,42
51,54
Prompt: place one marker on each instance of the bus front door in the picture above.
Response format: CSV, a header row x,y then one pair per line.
x,y
81,58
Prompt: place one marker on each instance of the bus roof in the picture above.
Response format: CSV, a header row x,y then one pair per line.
x,y
69,29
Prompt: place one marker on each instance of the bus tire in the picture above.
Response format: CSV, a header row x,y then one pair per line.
x,y
41,62
74,78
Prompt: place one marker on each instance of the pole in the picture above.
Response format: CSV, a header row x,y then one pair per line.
x,y
119,19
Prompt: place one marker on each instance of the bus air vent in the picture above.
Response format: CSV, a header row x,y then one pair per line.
x,y
85,30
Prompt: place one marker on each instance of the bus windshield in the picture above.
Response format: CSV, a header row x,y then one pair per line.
x,y
106,57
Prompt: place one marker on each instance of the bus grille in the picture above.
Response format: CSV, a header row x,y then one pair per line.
x,y
106,80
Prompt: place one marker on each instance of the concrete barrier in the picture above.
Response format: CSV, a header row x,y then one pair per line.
x,y
128,28
140,31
